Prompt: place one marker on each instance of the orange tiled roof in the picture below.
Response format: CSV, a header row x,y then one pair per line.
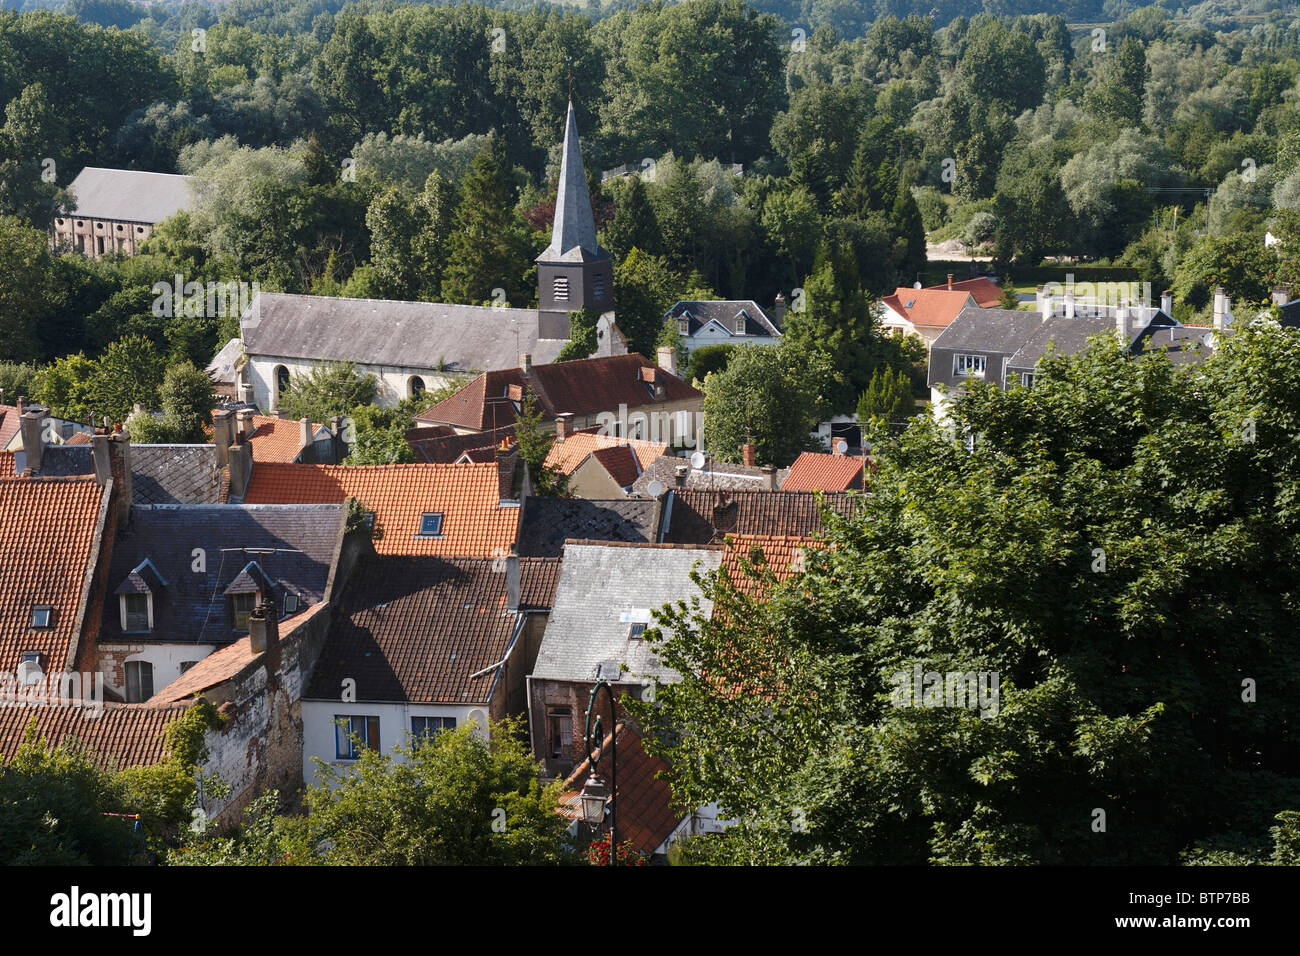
x,y
277,439
10,424
782,554
565,456
813,471
6,464
934,308
80,438
125,735
468,496
47,536
983,290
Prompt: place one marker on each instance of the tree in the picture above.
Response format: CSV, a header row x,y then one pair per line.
x,y
888,397
770,396
188,397
65,386
453,799
129,373
534,445
645,288
27,293
329,389
1101,612
634,225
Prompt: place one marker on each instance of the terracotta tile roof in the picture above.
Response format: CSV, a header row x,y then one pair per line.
x,y
10,424
225,663
565,456
986,293
438,443
277,439
47,536
468,496
78,438
6,464
782,554
700,517
813,471
537,580
417,629
643,802
124,735
584,387
934,308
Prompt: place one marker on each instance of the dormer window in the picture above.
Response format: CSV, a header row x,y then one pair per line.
x,y
291,604
137,613
684,326
42,616
135,597
241,606
560,289
430,525
740,325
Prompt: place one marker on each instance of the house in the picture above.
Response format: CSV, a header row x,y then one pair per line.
x,y
184,579
700,517
55,430
603,605
623,395
671,472
813,471
599,466
726,322
423,644
924,313
414,346
422,509
117,209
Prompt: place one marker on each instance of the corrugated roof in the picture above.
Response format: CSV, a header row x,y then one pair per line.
x,y
131,195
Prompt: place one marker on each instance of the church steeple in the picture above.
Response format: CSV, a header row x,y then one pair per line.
x,y
573,272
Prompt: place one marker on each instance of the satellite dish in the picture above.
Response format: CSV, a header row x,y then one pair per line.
x,y
29,672
841,446
697,460
656,488
916,284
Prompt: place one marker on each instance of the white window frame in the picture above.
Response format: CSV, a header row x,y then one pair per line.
x,y
969,365
139,669
1027,379
148,611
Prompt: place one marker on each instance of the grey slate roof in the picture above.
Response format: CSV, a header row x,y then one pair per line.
x,y
222,367
175,474
601,587
725,311
192,606
131,195
1067,335
547,522
60,461
989,330
719,476
464,338
573,233
1183,344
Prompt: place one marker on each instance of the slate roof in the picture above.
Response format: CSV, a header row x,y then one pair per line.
x,y
1067,335
813,471
193,605
433,337
644,801
60,461
131,195
989,330
583,387
573,233
223,367
175,474
548,522
932,308
468,496
124,735
602,586
1183,344
47,547
701,517
416,629
716,475
725,311
538,578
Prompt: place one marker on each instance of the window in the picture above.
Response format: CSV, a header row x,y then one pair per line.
x,y
424,728
684,326
560,728
290,604
1026,379
241,606
135,613
346,727
560,289
415,386
281,382
43,615
186,665
740,325
965,364
430,525
636,631
139,681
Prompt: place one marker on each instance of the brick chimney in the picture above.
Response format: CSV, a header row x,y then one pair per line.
x,y
525,363
263,627
103,459
223,433
668,359
243,425
949,281
505,469
747,452
778,310
563,426
31,424
119,461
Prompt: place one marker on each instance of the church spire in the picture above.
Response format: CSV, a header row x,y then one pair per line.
x,y
573,234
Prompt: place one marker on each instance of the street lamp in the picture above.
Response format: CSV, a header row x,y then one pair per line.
x,y
594,795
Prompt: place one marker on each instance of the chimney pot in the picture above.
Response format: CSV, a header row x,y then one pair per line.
x,y
563,426
950,281
747,451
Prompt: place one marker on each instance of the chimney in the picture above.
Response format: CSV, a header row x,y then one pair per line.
x,y
243,425
769,478
1121,323
1280,297
1167,303
512,579
31,425
241,470
563,426
223,433
668,359
339,448
505,469
680,473
1069,303
1220,309
304,432
244,393
949,281
263,628
119,461
282,414
778,310
103,459
747,451
525,363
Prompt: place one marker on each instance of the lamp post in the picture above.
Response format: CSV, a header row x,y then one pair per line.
x,y
594,795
